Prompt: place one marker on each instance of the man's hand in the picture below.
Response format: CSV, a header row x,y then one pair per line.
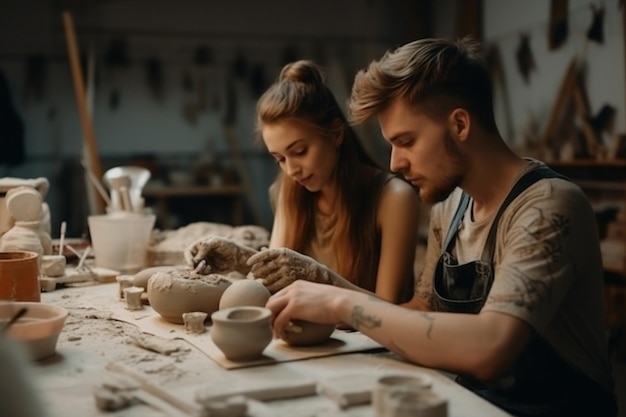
x,y
304,301
277,268
218,255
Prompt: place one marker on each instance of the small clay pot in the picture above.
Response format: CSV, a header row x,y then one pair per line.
x,y
19,276
311,333
180,290
245,292
242,333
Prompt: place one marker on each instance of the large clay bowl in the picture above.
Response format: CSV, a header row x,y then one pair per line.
x,y
312,333
172,293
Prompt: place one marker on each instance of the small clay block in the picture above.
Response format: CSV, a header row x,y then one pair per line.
x,y
270,391
133,298
235,406
194,322
124,281
53,265
350,389
47,284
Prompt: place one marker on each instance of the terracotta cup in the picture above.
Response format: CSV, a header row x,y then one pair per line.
x,y
19,277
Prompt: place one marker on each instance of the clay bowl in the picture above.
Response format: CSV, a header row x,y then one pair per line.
x,y
173,292
245,292
312,333
242,333
38,329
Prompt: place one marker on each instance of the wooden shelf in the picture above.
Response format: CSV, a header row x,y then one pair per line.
x,y
164,195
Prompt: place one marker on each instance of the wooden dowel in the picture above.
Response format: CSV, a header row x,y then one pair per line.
x,y
81,100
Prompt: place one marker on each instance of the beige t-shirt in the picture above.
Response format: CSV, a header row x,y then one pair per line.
x,y
548,268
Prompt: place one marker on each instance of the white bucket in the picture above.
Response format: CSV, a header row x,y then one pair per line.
x,y
120,241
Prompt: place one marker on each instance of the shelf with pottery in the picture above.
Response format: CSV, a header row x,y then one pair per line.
x,y
163,194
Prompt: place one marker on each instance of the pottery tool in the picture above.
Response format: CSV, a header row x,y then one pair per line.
x,y
79,256
121,185
81,262
62,237
183,406
200,266
270,391
96,183
117,392
13,319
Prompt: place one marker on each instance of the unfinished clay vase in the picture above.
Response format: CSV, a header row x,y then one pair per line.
x,y
245,292
181,290
308,333
242,333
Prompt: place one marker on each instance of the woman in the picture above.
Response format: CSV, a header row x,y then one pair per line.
x,y
331,201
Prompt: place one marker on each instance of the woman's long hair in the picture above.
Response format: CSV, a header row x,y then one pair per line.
x,y
300,95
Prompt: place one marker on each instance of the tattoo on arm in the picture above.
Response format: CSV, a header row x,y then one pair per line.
x,y
360,319
430,319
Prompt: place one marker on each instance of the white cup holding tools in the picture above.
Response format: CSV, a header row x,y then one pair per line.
x,y
120,241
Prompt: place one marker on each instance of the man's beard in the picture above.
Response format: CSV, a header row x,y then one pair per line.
x,y
450,176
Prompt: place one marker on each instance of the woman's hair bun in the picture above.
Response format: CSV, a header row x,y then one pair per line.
x,y
303,71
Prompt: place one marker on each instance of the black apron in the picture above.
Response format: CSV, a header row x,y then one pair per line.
x,y
540,382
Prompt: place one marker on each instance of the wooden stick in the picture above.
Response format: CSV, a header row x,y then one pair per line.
x,y
96,183
81,100
62,237
559,108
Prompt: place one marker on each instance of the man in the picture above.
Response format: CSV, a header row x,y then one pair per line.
x,y
517,313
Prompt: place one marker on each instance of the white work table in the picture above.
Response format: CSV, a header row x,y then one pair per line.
x,y
91,339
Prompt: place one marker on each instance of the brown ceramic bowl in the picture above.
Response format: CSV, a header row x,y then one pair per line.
x,y
38,329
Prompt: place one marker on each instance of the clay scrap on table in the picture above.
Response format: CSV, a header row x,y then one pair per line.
x,y
154,343
167,247
270,391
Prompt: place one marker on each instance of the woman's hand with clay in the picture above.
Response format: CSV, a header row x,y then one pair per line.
x,y
277,268
218,255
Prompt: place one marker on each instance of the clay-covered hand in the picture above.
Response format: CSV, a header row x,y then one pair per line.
x,y
218,255
277,268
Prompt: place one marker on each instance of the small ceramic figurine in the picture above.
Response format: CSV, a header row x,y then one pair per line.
x,y
24,205
41,185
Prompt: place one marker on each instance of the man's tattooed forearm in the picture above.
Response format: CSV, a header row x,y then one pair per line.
x,y
360,319
430,319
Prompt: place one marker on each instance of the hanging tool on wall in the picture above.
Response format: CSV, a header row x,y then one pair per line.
x,y
558,28
596,30
524,56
